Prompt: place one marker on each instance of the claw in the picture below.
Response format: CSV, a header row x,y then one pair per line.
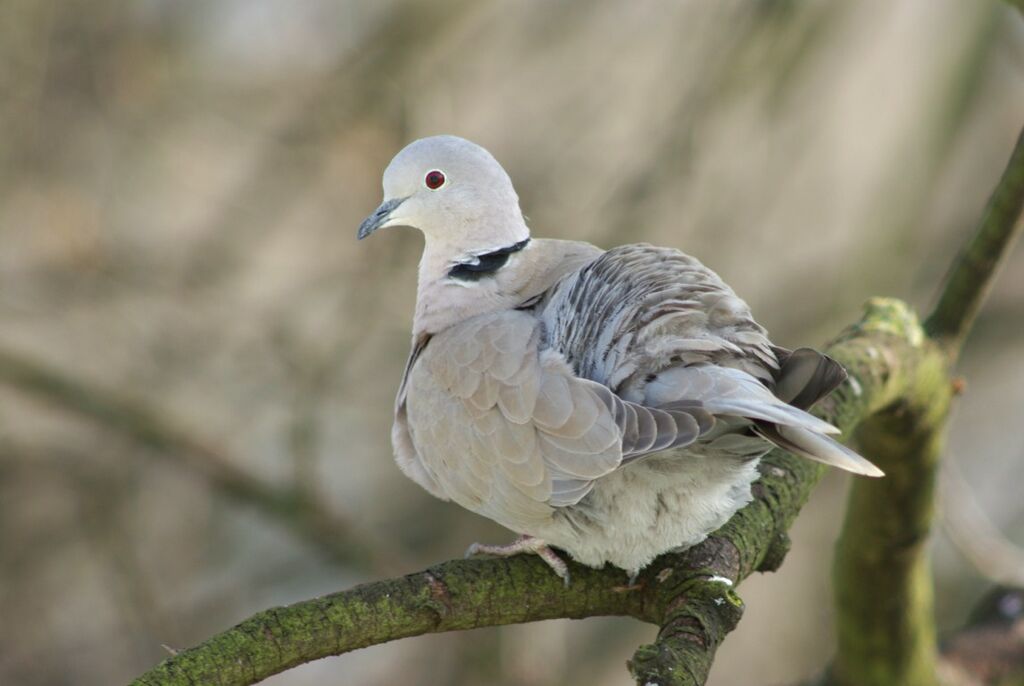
x,y
524,544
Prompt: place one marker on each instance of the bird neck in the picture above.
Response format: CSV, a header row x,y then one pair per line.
x,y
456,284
442,301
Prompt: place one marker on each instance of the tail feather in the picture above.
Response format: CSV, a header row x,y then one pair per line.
x,y
817,447
806,376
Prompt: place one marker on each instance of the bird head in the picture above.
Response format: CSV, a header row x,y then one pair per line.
x,y
455,192
475,238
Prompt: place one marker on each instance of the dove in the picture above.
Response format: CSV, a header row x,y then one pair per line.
x,y
613,405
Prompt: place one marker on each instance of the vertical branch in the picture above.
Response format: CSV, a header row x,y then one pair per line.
x,y
883,585
971,276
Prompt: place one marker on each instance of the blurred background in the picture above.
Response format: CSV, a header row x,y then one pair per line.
x,y
198,360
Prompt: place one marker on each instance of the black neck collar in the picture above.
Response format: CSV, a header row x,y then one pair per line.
x,y
487,264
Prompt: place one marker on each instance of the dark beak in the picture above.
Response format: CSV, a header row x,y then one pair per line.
x,y
378,218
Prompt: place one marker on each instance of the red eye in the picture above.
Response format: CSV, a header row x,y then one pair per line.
x,y
434,179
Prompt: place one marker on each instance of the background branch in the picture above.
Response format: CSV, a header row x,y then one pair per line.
x,y
978,263
311,520
973,533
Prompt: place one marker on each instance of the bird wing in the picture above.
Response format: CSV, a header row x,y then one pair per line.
x,y
730,392
660,329
406,457
638,309
507,429
806,376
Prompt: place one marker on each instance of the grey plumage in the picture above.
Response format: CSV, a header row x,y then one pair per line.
x,y
613,404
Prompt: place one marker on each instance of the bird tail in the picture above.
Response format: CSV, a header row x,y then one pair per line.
x,y
817,447
805,377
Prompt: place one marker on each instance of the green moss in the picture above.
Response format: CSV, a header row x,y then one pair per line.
x,y
883,585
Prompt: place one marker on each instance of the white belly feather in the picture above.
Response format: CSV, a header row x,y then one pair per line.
x,y
666,501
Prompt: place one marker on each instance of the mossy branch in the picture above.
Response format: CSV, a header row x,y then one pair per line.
x,y
689,595
883,584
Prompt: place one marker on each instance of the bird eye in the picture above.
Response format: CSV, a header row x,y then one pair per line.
x,y
434,179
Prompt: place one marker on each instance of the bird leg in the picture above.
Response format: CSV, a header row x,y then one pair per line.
x,y
524,544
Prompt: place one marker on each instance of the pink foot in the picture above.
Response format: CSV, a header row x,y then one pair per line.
x,y
524,544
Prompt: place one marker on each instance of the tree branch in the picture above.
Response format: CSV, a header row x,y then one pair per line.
x,y
883,584
689,595
150,428
978,263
